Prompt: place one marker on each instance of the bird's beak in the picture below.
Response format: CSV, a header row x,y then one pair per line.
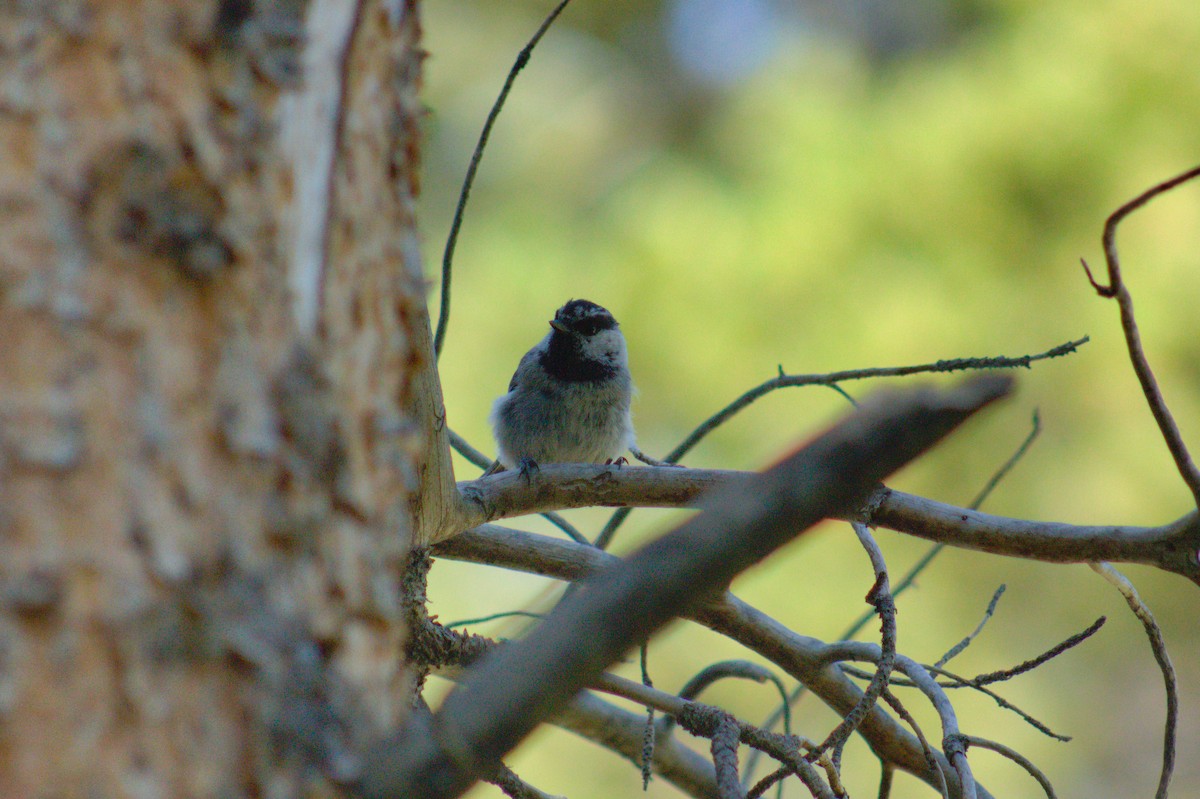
x,y
559,326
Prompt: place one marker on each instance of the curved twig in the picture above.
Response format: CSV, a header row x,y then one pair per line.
x,y
439,339
1159,647
743,669
936,766
1116,289
1016,757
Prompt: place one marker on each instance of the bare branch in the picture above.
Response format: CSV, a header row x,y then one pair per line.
x,y
1117,289
514,688
1159,647
1049,654
562,486
1172,547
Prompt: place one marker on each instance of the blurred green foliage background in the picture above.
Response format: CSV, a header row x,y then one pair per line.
x,y
752,184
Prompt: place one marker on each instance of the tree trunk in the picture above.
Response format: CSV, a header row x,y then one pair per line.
x,y
217,400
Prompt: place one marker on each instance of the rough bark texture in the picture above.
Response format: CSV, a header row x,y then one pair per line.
x,y
214,391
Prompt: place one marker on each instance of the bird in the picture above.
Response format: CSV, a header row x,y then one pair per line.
x,y
569,399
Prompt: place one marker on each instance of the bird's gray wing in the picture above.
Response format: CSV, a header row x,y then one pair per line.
x,y
526,361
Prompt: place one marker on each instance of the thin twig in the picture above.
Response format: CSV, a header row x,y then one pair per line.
x,y
980,682
923,563
1159,647
831,378
1049,654
508,614
935,766
439,339
957,649
649,733
1016,757
1035,430
763,785
648,460
957,681
1117,289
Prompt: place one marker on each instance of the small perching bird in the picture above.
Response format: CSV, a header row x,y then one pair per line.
x,y
568,401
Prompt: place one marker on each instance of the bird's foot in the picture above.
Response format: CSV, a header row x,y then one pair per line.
x,y
527,468
619,462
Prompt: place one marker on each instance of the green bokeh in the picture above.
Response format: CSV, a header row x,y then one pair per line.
x,y
838,211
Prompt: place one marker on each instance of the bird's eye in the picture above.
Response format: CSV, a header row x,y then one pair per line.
x,y
588,327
